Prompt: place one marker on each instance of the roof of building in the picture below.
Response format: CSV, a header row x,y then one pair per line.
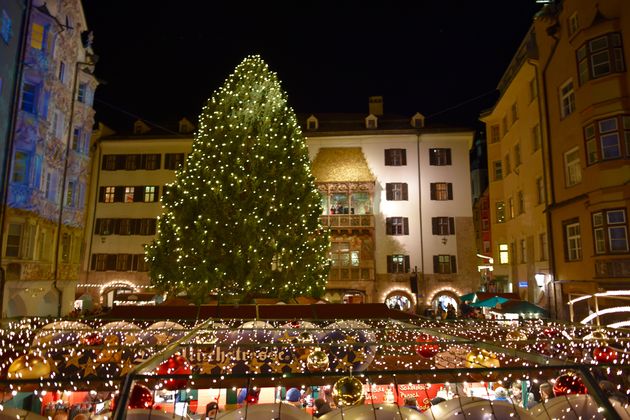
x,y
336,164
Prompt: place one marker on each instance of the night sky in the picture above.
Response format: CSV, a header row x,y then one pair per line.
x,y
160,62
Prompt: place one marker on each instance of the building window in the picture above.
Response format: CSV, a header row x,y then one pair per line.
x,y
174,160
517,155
533,89
497,170
441,191
62,71
573,24
396,191
37,36
395,157
5,27
508,165
131,162
504,254
151,161
14,240
109,162
140,263
495,134
104,226
147,227
536,138
504,125
123,262
514,113
125,226
440,157
110,194
129,194
572,168
47,186
443,225
71,194
600,56
540,190
486,246
572,240
66,242
150,194
523,246
485,225
567,99
542,240
521,202
82,93
500,211
610,231
342,256
397,226
511,207
444,264
29,97
606,139
21,163
397,264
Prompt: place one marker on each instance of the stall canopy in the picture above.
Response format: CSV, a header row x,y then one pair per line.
x,y
489,303
520,307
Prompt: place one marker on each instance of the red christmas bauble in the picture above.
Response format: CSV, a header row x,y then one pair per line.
x,y
551,332
174,365
569,383
604,354
140,397
253,395
427,349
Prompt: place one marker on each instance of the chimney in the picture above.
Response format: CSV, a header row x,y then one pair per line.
x,y
376,105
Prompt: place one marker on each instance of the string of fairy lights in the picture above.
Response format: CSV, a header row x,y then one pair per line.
x,y
245,206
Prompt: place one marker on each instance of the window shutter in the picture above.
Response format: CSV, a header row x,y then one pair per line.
x,y
101,195
405,191
110,262
406,263
116,226
138,194
390,264
97,227
103,166
406,225
388,160
120,161
158,161
152,226
451,225
432,157
450,191
93,265
119,194
389,191
453,264
134,262
433,192
448,157
436,264
434,225
388,226
403,153
157,193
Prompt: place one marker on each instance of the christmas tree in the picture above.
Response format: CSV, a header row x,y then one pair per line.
x,y
242,217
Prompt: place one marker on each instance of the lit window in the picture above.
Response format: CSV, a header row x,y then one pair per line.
x,y
110,194
129,192
397,264
37,36
441,191
150,194
504,255
573,170
444,264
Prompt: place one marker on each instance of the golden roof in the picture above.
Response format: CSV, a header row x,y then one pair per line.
x,y
341,164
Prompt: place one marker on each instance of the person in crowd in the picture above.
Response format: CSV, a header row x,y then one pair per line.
x,y
321,407
410,402
212,409
466,309
293,397
500,394
451,313
546,391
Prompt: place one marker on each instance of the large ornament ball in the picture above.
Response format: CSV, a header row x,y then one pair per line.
x,y
516,335
605,354
427,347
140,397
569,383
348,391
483,359
317,361
29,367
174,365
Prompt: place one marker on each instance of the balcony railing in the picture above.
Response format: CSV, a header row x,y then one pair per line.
x,y
348,220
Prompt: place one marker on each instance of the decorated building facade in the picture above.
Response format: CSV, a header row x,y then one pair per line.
x,y
48,162
395,195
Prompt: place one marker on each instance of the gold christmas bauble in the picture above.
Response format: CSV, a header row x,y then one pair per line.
x,y
29,367
483,359
348,391
516,335
317,361
596,336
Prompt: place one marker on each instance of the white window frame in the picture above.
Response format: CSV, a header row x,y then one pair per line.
x,y
572,167
567,98
574,241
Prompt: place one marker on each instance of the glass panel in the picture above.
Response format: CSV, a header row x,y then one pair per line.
x,y
601,63
618,238
589,131
591,151
598,220
324,202
361,203
616,216
608,125
600,241
610,146
339,203
598,44
581,52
